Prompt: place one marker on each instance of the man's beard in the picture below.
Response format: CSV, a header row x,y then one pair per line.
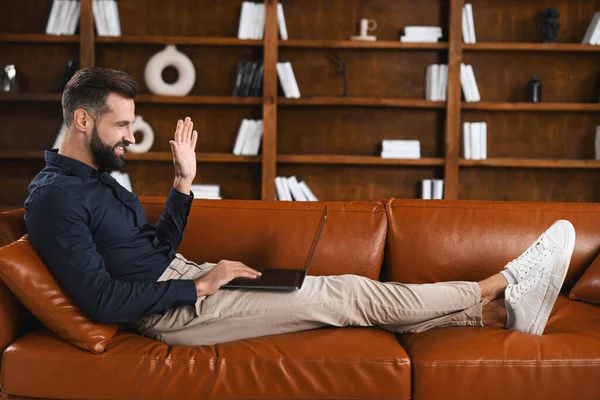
x,y
103,154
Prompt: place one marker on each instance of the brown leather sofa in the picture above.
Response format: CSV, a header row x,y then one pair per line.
x,y
412,241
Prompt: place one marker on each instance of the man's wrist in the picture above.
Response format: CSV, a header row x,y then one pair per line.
x,y
200,287
182,185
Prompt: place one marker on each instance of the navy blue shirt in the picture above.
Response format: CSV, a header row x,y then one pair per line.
x,y
94,237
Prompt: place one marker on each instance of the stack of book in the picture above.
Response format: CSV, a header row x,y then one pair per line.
x,y
475,140
436,82
122,179
63,18
468,24
252,21
421,34
432,189
592,35
287,79
289,189
206,192
248,138
106,17
401,149
248,79
469,84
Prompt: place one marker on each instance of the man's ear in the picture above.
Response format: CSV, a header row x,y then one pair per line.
x,y
81,119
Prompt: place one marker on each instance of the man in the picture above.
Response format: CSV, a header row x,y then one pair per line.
x,y
95,239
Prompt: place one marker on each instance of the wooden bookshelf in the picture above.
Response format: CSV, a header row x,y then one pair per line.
x,y
329,140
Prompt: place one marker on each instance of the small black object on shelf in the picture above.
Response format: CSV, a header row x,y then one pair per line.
x,y
340,64
549,26
72,67
534,90
597,94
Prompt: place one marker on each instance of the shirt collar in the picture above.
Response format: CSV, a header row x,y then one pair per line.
x,y
76,167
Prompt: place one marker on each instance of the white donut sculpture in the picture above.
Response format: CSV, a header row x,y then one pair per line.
x,y
170,57
139,125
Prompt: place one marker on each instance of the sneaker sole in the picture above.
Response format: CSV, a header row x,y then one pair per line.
x,y
558,279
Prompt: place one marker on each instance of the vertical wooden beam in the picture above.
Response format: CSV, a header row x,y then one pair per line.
x,y
453,115
87,52
269,146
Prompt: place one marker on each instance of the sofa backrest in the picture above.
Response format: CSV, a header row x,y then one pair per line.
x,y
430,241
268,234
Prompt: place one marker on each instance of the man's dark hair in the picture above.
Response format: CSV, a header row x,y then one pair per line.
x,y
89,88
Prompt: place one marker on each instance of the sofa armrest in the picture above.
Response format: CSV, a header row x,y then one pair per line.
x,y
15,319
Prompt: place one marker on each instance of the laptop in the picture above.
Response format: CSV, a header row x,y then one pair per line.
x,y
280,278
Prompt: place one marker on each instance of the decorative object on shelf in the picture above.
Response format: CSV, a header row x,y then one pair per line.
x,y
366,25
340,69
72,67
549,26
206,191
598,142
468,24
10,79
475,140
123,179
405,149
289,189
170,57
421,34
143,146
61,135
534,90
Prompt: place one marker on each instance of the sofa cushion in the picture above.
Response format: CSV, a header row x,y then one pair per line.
x,y
268,234
321,363
493,363
587,287
432,241
26,275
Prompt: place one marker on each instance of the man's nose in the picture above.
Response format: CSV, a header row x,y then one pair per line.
x,y
130,137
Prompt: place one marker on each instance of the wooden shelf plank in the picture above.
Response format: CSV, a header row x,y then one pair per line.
x,y
544,106
357,44
360,101
531,163
191,40
355,160
150,98
150,156
43,97
557,47
37,38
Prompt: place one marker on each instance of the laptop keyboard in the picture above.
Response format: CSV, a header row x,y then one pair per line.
x,y
283,277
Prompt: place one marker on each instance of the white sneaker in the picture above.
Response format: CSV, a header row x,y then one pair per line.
x,y
528,303
556,240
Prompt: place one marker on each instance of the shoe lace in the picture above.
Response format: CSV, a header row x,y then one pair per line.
x,y
530,259
517,291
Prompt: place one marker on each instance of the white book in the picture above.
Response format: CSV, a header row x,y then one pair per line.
x,y
483,133
401,142
438,189
96,13
52,17
241,137
428,83
392,155
307,192
281,22
248,143
293,81
63,14
75,19
464,83
116,19
281,73
475,141
471,22
106,14
261,21
279,188
426,189
597,142
67,21
419,39
473,83
207,187
256,138
297,193
465,26
245,16
61,135
443,86
467,140
416,30
592,27
435,83
596,35
286,188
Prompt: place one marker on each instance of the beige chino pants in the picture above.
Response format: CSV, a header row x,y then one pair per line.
x,y
339,300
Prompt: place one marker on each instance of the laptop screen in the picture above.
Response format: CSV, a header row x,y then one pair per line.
x,y
313,246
